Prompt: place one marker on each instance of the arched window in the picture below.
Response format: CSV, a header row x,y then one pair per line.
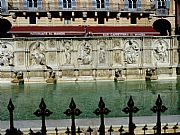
x,y
161,3
132,3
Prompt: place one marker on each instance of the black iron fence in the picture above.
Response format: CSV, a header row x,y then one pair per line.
x,y
101,111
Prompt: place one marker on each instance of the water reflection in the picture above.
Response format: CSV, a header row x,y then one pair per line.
x,y
86,95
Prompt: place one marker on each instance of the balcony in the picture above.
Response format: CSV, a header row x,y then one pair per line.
x,y
162,12
80,6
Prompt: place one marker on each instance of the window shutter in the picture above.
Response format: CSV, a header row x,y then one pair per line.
x,y
60,4
126,4
39,4
138,3
168,4
156,2
25,4
94,3
73,4
107,4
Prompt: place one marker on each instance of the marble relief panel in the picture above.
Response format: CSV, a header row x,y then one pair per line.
x,y
102,52
68,73
52,60
85,73
131,51
117,57
6,53
37,53
67,50
117,52
52,43
20,59
85,53
160,52
21,45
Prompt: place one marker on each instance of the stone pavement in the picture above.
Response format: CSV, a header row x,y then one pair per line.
x,y
94,123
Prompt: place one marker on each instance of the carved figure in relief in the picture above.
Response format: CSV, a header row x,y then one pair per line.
x,y
18,77
131,52
160,51
116,44
85,54
6,55
37,55
102,54
67,51
117,58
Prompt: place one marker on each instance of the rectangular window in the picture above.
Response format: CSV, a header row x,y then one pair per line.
x,y
32,19
30,3
161,4
35,3
69,3
98,4
130,4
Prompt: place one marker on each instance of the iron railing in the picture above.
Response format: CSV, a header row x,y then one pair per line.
x,y
81,6
101,111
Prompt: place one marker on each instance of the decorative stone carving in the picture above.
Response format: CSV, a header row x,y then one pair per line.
x,y
6,54
85,54
131,52
102,52
117,57
18,77
160,51
116,44
118,75
151,74
67,51
52,77
37,54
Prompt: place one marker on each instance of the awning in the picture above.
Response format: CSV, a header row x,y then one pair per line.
x,y
122,31
81,31
47,31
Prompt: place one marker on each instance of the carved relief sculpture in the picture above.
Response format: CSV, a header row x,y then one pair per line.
x,y
131,52
160,51
116,44
67,51
37,54
102,53
6,54
85,54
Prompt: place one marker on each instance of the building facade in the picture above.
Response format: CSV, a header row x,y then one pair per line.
x,y
159,14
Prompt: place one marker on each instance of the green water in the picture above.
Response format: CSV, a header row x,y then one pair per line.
x,y
26,98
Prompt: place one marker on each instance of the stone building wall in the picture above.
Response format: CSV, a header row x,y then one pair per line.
x,y
94,58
